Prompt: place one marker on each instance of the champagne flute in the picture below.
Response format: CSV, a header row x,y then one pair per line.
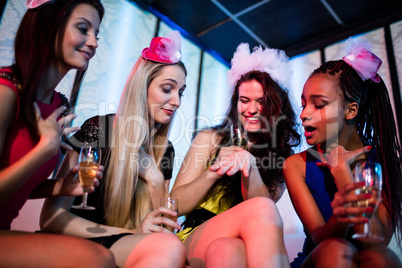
x,y
238,135
370,173
172,204
89,161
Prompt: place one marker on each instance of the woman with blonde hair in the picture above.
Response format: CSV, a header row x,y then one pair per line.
x,y
138,162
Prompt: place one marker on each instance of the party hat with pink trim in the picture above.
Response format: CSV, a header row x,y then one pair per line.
x,y
30,4
360,58
164,49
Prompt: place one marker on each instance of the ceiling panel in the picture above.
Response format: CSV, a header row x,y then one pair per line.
x,y
237,6
288,25
296,26
226,38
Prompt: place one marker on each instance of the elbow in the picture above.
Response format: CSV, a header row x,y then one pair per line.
x,y
47,216
44,220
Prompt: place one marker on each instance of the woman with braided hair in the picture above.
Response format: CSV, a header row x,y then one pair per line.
x,y
347,117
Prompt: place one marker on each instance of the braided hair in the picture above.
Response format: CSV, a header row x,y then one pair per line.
x,y
375,125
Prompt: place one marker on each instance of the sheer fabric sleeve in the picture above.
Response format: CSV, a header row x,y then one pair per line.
x,y
94,132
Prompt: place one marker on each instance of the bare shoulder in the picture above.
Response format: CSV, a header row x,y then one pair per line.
x,y
8,105
8,111
206,137
7,94
295,166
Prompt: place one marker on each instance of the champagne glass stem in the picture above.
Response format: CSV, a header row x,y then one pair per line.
x,y
84,199
367,228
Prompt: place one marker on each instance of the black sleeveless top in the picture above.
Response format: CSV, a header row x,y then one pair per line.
x,y
97,131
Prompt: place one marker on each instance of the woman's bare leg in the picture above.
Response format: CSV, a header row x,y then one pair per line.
x,y
256,222
333,252
226,252
379,256
18,249
149,250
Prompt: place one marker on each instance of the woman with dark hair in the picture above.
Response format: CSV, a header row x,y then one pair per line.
x,y
348,118
53,38
228,193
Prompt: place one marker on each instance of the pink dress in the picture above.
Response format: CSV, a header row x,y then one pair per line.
x,y
17,143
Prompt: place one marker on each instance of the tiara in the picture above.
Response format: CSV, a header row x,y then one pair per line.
x,y
164,49
268,60
30,4
362,60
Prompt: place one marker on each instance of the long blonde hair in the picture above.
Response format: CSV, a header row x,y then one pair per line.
x,y
127,199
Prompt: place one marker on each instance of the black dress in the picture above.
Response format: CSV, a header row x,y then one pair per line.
x,y
97,131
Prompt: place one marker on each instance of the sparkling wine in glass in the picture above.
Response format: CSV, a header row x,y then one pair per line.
x,y
371,174
172,204
89,161
238,135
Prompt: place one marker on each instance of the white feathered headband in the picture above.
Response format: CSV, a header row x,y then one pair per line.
x,y
269,60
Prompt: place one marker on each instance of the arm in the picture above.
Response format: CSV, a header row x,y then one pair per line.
x,y
55,215
153,176
56,218
339,162
305,206
16,175
304,203
68,186
234,159
193,181
253,185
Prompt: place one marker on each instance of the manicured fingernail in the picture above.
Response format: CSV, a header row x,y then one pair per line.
x,y
369,147
369,209
367,196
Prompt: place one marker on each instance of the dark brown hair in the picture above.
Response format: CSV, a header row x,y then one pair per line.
x,y
276,111
34,48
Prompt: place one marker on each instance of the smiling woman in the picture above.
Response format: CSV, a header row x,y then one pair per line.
x,y
80,40
250,105
31,126
138,159
219,183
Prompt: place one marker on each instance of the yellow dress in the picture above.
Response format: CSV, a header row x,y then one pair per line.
x,y
212,205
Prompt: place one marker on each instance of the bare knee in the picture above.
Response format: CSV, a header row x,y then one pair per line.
x,y
171,246
263,211
335,252
379,256
165,249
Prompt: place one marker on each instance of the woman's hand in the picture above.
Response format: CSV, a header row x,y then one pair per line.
x,y
344,205
339,156
51,129
339,161
233,159
148,170
70,185
152,223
